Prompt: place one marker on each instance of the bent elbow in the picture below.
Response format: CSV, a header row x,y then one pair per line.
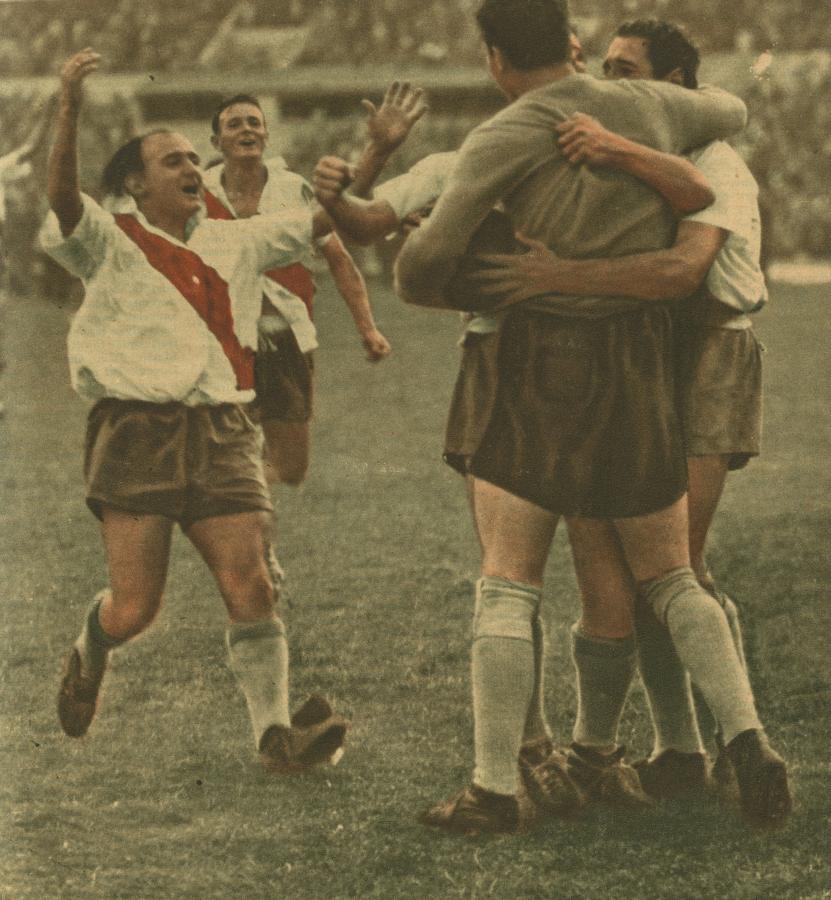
x,y
699,197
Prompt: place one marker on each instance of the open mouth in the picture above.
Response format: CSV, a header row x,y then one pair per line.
x,y
192,190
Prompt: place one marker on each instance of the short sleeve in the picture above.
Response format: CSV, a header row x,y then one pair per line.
x,y
81,252
735,208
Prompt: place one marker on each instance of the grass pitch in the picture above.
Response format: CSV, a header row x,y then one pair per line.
x,y
164,797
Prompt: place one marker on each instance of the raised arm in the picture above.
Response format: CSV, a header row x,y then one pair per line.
x,y
659,275
388,127
362,221
352,288
62,185
584,140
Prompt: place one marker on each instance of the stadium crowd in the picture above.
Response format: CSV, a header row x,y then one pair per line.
x,y
162,36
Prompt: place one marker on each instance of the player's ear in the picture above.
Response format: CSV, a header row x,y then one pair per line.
x,y
134,184
496,59
676,76
215,141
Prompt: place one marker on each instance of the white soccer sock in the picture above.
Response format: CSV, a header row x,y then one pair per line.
x,y
667,685
259,658
702,638
93,643
503,675
604,669
536,723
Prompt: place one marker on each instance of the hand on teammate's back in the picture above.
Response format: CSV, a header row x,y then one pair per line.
x,y
583,139
517,277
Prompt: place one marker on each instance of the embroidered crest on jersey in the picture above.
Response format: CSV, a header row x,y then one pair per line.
x,y
201,286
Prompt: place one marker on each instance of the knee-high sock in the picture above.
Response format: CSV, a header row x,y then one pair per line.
x,y
707,723
604,669
667,685
502,673
702,638
536,723
93,643
259,658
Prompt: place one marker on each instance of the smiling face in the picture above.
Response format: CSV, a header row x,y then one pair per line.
x,y
242,132
628,57
168,190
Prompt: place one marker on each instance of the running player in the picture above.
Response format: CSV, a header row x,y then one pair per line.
x,y
163,347
583,421
245,184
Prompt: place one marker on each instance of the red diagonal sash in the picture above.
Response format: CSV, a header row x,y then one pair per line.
x,y
201,286
295,278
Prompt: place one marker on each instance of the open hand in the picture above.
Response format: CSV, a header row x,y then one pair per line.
x,y
389,124
75,70
518,277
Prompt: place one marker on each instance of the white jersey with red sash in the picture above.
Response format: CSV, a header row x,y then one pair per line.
x,y
167,321
289,290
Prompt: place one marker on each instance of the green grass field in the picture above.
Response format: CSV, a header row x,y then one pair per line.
x,y
164,797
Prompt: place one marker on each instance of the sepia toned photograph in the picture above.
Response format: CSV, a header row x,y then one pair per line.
x,y
413,447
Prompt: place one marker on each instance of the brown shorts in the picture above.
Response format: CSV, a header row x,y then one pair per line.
x,y
580,417
719,378
283,377
167,459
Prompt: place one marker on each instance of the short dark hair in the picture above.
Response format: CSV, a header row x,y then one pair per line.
x,y
531,34
126,161
668,48
232,101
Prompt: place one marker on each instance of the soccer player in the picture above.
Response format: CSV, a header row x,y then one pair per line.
x,y
245,185
163,347
582,422
718,357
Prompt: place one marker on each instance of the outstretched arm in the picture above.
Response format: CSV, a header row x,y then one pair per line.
x,y
352,288
388,127
659,275
584,140
363,221
62,184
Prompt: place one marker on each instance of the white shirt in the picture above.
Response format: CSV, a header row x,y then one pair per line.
x,y
136,336
735,278
284,191
420,186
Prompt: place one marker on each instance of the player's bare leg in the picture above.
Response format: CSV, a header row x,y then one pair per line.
x,y
286,452
233,547
137,549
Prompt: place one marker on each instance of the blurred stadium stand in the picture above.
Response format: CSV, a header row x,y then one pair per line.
x,y
311,62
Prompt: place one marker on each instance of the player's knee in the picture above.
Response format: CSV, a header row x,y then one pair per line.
x,y
293,474
505,609
129,615
247,589
674,588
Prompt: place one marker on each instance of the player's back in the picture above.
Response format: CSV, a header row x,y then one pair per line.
x,y
581,211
